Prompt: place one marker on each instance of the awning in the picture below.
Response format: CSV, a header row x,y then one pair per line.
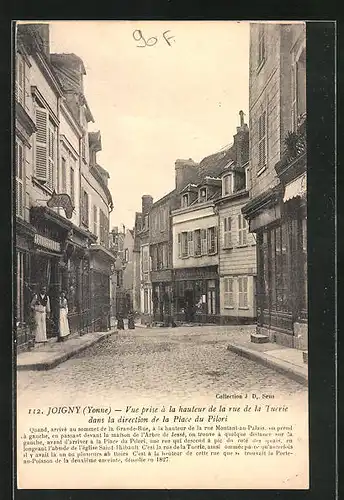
x,y
296,188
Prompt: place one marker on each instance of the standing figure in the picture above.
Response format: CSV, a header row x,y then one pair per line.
x,y
40,306
131,322
63,318
120,322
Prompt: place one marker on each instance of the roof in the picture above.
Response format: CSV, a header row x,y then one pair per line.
x,y
214,164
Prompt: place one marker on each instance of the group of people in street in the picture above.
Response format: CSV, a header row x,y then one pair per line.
x,y
41,311
131,321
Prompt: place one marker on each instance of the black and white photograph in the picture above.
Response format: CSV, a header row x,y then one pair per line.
x,y
160,266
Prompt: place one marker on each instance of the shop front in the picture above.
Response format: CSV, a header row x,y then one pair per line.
x,y
162,296
196,295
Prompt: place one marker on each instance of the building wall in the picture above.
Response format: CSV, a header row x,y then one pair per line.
x,y
190,220
264,91
128,273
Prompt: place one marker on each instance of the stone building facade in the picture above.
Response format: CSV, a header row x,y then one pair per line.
x,y
56,243
277,208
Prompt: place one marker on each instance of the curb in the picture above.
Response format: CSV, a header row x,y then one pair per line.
x,y
280,366
60,358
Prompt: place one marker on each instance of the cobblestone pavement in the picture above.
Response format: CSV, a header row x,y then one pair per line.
x,y
182,362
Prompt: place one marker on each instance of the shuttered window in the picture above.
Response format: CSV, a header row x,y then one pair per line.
x,y
184,244
41,144
197,242
204,242
242,230
262,139
227,232
243,291
63,175
190,244
19,158
212,240
179,245
228,293
20,80
95,220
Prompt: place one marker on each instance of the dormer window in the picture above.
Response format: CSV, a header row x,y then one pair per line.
x,y
202,196
185,200
227,184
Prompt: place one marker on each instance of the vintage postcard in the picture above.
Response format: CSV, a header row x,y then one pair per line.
x,y
161,255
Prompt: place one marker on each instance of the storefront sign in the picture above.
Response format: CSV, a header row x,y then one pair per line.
x,y
196,273
61,201
45,242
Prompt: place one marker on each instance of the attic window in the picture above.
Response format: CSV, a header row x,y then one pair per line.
x,y
203,194
227,184
185,200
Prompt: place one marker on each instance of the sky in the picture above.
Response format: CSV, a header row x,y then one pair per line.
x,y
153,104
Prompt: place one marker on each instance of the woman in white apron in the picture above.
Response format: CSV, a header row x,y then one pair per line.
x,y
63,320
40,306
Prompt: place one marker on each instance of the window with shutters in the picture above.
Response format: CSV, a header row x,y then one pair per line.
x,y
154,257
95,220
184,244
20,79
262,142
71,184
197,242
242,230
243,292
228,293
41,170
227,232
212,240
179,237
20,170
261,46
63,175
190,244
204,242
84,211
51,154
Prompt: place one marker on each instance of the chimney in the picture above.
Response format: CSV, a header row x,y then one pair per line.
x,y
241,142
186,172
40,33
147,202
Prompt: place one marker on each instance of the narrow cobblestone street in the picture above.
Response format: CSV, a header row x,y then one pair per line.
x,y
151,363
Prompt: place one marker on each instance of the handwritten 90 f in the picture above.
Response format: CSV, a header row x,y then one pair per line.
x,y
150,42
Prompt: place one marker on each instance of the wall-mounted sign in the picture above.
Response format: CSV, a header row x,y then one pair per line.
x,y
45,242
61,200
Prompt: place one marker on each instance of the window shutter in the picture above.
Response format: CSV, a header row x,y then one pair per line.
x,y
179,245
215,239
41,144
204,242
190,244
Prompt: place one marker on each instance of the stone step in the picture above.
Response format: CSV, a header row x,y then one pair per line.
x,y
258,338
305,357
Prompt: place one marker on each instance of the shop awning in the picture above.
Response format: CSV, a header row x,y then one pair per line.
x,y
296,188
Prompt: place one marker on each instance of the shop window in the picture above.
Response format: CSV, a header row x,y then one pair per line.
x,y
227,232
227,185
19,158
243,292
242,230
212,240
85,209
228,293
197,242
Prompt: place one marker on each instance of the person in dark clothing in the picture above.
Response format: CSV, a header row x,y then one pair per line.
x,y
131,322
120,322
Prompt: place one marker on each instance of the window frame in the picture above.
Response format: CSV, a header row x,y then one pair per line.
x,y
227,232
243,293
242,231
228,295
225,178
212,250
